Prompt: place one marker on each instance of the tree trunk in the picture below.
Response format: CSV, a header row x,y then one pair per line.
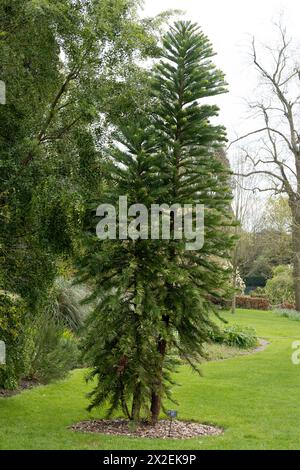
x,y
136,403
155,407
156,398
137,394
296,265
296,251
234,279
235,269
233,304
124,404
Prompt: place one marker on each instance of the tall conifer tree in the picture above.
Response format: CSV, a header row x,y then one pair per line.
x,y
120,342
188,143
153,295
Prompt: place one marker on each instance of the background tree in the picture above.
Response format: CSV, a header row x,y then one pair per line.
x,y
278,159
244,208
63,63
70,68
266,243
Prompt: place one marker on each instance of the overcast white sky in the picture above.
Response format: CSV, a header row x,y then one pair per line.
x,y
230,25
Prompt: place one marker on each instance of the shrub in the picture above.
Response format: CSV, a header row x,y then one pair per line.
x,y
287,306
256,303
237,336
51,335
244,338
259,292
12,314
64,304
39,346
280,288
53,351
287,313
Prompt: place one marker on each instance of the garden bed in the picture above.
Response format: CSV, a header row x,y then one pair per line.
x,y
24,385
162,430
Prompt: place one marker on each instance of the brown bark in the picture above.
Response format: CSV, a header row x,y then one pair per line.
x,y
137,394
296,272
234,281
235,256
233,303
296,251
156,398
155,407
282,78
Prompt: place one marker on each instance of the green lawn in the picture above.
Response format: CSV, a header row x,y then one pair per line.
x,y
255,398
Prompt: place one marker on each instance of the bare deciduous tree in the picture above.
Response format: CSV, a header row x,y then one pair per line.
x,y
277,160
245,213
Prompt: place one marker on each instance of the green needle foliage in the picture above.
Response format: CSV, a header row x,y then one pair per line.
x,y
152,296
120,343
188,143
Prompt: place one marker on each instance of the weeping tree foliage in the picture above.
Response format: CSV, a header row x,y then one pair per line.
x,y
65,63
153,295
71,69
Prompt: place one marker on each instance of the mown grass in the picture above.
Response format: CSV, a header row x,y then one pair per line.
x,y
255,398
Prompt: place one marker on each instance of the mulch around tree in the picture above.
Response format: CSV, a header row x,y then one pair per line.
x,y
122,427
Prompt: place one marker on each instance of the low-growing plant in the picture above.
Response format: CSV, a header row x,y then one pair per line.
x,y
64,304
287,306
244,338
288,313
54,352
51,336
236,336
259,292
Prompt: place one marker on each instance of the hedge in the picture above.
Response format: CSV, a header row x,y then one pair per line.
x,y
286,306
256,303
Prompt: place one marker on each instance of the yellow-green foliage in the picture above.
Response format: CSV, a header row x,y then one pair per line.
x,y
280,288
12,314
